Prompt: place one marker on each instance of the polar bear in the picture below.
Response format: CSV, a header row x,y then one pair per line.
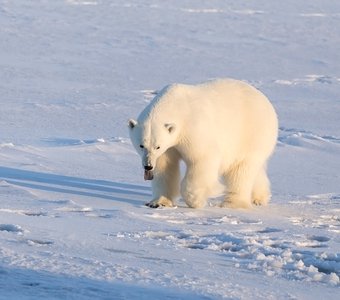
x,y
224,130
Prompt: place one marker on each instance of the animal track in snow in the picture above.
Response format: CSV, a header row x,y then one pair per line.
x,y
88,211
202,10
329,218
148,95
319,15
248,12
192,219
38,242
11,228
25,212
66,142
331,222
270,254
306,139
269,230
311,242
250,244
82,2
309,79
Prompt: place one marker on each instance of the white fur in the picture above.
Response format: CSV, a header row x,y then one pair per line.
x,y
221,129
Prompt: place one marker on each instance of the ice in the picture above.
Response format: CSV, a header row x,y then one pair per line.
x,y
73,224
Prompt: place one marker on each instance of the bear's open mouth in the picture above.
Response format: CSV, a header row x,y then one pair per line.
x,y
148,175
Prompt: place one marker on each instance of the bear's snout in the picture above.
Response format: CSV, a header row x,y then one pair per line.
x,y
148,173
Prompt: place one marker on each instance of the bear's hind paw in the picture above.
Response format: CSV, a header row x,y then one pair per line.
x,y
261,202
235,204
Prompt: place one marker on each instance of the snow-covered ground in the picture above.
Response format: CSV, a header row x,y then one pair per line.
x,y
72,220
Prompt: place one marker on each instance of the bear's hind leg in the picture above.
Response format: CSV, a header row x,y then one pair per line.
x,y
261,190
165,185
239,181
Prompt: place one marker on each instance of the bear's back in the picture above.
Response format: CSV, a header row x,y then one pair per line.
x,y
226,90
217,102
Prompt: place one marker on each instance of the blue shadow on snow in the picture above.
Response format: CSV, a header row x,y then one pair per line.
x,y
115,191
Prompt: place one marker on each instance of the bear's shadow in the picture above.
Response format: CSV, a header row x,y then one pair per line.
x,y
115,191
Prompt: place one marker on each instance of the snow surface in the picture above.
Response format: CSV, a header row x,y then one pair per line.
x,y
72,220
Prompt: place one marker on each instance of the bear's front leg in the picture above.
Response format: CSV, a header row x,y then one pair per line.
x,y
165,185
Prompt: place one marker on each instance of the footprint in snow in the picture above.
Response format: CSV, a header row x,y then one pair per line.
x,y
319,238
309,79
306,139
330,222
269,230
23,212
11,228
149,94
312,242
35,214
36,242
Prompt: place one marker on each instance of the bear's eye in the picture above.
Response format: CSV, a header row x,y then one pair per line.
x,y
158,147
141,146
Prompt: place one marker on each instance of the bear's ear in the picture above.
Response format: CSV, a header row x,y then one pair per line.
x,y
170,127
132,123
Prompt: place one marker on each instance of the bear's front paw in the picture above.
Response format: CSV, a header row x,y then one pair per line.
x,y
153,205
160,202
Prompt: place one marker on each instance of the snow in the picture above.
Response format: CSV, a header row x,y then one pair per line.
x,y
73,224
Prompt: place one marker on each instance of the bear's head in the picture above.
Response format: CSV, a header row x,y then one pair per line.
x,y
151,141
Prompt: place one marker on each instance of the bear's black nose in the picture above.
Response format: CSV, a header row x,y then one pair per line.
x,y
148,168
